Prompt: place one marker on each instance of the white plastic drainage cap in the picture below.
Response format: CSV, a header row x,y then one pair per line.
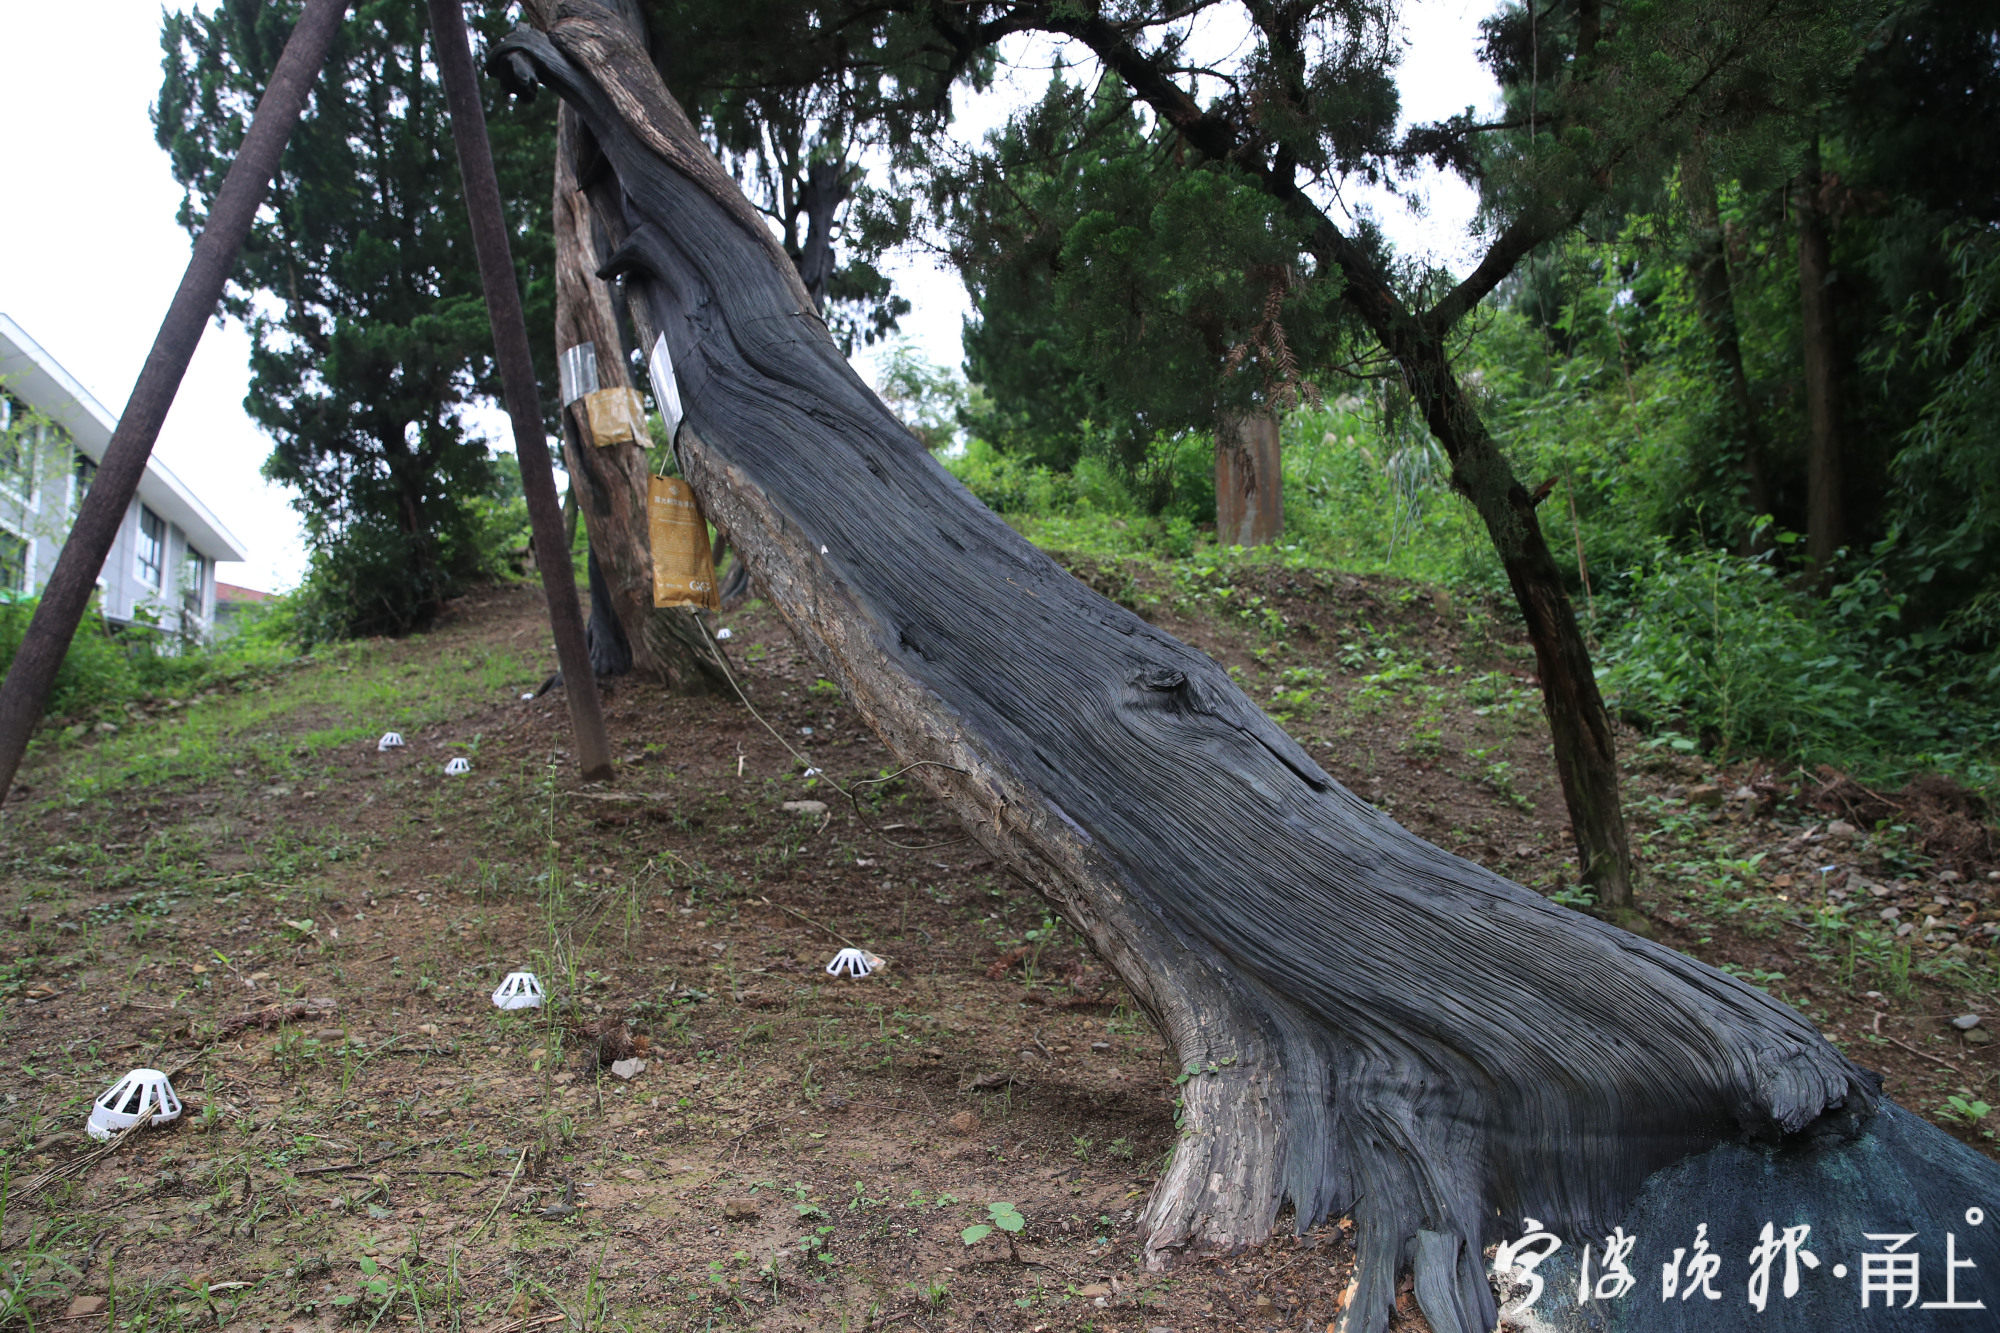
x,y
391,740
143,1094
853,962
521,990
457,767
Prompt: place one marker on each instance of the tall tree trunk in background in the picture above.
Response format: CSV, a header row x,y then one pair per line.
x,y
1580,733
822,193
1715,303
609,480
1824,519
1249,479
1366,1024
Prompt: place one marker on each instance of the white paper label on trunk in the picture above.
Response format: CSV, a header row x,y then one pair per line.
x,y
576,368
666,393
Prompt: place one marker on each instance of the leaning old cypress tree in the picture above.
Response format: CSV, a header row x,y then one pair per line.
x,y
1369,1025
791,133
1601,98
608,477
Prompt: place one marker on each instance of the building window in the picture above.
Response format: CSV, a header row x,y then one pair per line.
x,y
194,591
86,472
152,547
13,563
19,434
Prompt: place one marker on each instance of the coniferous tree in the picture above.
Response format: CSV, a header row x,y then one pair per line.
x,y
360,289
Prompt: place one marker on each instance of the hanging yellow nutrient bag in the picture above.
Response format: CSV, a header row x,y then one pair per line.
x,y
683,572
615,416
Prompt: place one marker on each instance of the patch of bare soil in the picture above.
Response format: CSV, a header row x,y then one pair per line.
x,y
703,1129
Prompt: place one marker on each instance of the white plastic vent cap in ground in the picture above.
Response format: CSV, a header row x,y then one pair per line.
x,y
391,740
853,962
521,990
724,632
455,767
143,1094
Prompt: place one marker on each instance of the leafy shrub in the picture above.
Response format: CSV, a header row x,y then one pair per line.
x,y
1007,483
371,581
1721,647
97,671
108,667
375,578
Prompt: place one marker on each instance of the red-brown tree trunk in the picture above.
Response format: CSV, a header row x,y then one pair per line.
x,y
1824,518
1249,479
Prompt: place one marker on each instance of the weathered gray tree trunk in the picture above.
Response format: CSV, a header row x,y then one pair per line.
x,y
1368,1025
1249,479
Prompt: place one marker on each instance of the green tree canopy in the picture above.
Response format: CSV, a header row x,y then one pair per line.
x,y
359,285
1123,297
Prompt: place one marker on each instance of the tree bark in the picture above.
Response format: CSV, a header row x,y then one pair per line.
x,y
1824,519
1579,724
1249,479
609,480
1715,304
1366,1024
824,190
24,693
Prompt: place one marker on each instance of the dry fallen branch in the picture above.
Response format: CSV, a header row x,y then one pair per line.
x,y
273,1015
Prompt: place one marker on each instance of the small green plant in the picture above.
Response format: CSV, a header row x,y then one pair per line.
x,y
1969,1111
813,1244
1001,1217
32,1272
377,1285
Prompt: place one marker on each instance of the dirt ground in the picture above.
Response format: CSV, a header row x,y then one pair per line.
x,y
240,888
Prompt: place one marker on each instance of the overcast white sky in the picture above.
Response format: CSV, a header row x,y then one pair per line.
x,y
90,255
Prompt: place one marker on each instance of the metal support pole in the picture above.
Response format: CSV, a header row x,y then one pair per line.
x,y
25,693
517,378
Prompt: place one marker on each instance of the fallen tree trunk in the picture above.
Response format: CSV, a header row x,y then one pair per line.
x,y
1366,1024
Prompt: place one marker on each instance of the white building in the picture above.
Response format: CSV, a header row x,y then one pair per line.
x,y
161,570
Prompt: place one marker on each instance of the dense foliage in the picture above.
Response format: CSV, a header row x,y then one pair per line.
x,y
1124,300
794,120
108,669
1664,415
362,295
1150,243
